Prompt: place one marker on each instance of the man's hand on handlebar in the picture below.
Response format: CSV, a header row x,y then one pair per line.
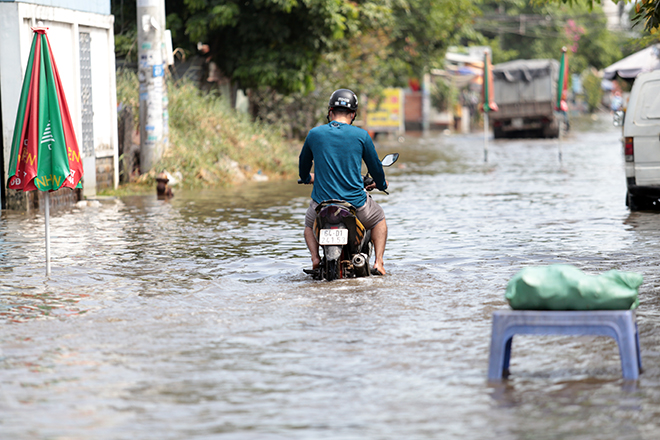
x,y
372,185
311,180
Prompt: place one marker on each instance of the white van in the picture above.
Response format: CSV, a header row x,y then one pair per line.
x,y
641,142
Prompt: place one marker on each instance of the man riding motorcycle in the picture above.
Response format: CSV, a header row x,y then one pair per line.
x,y
337,150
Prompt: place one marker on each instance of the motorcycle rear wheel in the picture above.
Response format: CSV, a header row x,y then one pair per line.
x,y
332,270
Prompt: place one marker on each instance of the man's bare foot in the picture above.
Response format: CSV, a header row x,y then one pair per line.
x,y
379,267
316,262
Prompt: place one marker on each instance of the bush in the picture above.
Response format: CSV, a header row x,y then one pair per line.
x,y
211,144
443,95
592,90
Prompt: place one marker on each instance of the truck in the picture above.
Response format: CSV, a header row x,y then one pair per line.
x,y
525,92
641,142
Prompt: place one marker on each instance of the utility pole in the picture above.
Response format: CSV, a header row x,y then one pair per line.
x,y
151,74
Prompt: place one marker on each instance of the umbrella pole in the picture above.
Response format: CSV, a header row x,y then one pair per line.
x,y
561,125
47,215
485,136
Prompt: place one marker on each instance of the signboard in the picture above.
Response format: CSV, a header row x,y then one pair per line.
x,y
386,114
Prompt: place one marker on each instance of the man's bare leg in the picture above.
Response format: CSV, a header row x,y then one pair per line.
x,y
313,246
379,237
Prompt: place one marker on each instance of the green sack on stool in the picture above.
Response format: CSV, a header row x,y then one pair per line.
x,y
565,287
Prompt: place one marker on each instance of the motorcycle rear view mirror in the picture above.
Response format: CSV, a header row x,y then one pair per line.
x,y
390,159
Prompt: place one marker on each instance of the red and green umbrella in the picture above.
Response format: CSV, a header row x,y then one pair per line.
x,y
562,83
487,97
44,150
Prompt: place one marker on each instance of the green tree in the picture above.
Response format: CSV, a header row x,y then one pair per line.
x,y
421,31
274,43
280,43
443,94
647,12
125,27
540,28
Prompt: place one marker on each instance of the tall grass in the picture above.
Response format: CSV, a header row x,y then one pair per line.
x,y
211,144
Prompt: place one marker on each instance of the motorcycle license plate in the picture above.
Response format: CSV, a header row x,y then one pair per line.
x,y
333,237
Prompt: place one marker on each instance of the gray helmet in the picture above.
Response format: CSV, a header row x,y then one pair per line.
x,y
343,98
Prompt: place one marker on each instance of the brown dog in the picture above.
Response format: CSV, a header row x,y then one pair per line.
x,y
162,189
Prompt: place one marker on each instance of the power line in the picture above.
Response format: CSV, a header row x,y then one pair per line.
x,y
536,33
528,25
536,17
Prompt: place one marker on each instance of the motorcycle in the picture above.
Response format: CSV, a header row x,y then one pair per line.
x,y
347,246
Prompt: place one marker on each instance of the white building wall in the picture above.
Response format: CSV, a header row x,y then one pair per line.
x,y
63,44
11,73
16,20
104,99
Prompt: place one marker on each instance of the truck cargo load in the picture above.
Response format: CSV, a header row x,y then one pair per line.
x,y
525,91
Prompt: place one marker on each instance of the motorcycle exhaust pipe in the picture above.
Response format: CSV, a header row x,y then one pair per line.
x,y
359,262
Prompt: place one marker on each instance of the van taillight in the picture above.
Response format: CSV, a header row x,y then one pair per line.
x,y
629,150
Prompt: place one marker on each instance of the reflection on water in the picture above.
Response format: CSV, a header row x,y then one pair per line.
x,y
191,318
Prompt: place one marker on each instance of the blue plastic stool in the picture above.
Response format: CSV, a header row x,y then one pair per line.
x,y
618,324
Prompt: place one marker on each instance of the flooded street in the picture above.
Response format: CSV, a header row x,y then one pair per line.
x,y
192,318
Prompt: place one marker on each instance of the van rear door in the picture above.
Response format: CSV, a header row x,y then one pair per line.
x,y
644,127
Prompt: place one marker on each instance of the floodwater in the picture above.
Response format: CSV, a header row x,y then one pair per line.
x,y
192,319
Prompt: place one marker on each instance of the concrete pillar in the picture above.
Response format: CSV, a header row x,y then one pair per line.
x,y
151,74
465,120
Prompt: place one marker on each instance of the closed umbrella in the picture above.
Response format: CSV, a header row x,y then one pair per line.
x,y
561,105
44,150
487,95
562,83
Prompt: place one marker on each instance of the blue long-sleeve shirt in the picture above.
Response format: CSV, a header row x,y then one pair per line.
x,y
337,151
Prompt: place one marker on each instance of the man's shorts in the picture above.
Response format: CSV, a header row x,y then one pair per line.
x,y
370,214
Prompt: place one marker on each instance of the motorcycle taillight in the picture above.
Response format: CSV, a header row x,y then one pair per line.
x,y
334,214
629,149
